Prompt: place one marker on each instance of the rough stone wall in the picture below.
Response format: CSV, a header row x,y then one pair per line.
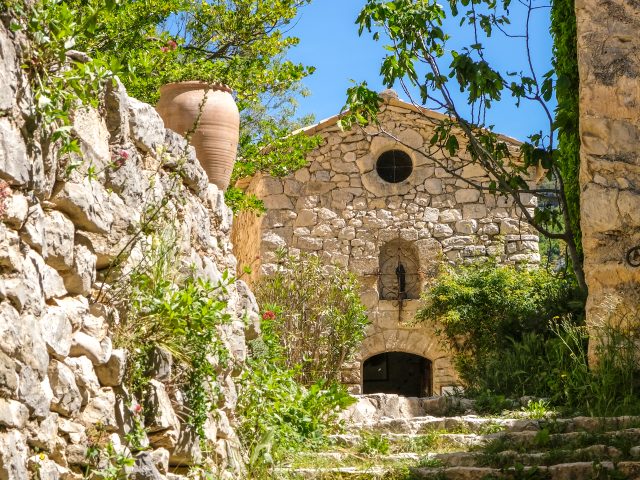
x,y
609,67
60,375
341,208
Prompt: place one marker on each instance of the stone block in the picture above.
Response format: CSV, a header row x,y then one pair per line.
x,y
442,230
33,230
85,377
467,195
13,456
116,103
144,468
160,420
101,408
81,277
473,211
13,414
146,126
56,332
98,351
450,216
66,395
88,205
15,210
15,166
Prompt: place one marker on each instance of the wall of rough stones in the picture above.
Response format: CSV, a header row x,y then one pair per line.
x,y
340,208
60,375
609,66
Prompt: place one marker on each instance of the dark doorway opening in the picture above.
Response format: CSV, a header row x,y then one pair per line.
x,y
397,372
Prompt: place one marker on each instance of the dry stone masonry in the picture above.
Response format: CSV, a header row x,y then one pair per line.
x,y
609,66
342,208
60,375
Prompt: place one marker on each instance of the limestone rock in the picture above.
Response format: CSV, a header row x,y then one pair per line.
x,y
8,376
85,377
160,458
93,137
13,414
144,468
14,163
13,456
146,126
111,373
33,231
101,408
184,161
187,450
16,208
34,391
66,396
98,351
80,279
87,204
161,421
116,102
43,434
10,255
9,71
59,232
56,332
160,364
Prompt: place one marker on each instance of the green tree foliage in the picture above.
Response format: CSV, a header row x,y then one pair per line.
x,y
242,43
317,315
481,310
419,58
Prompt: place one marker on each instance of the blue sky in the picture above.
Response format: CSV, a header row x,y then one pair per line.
x,y
329,41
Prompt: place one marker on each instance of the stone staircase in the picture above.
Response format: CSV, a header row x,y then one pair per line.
x,y
396,438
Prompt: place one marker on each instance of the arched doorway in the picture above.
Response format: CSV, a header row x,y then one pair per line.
x,y
397,372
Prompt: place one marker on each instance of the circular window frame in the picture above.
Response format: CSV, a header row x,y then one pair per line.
x,y
393,173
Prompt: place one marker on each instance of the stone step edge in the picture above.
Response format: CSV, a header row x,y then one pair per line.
x,y
557,471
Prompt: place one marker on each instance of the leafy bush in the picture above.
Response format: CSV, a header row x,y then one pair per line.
x,y
316,314
180,314
482,310
278,414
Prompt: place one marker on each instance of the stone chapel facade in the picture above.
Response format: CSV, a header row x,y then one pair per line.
x,y
391,215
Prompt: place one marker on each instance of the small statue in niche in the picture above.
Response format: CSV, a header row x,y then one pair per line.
x,y
402,281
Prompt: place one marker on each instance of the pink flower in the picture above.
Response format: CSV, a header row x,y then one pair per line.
x,y
137,409
172,45
269,315
124,154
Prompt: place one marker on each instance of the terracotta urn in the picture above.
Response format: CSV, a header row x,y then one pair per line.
x,y
216,138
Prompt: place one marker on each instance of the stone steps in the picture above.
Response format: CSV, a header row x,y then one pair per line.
x,y
414,443
563,471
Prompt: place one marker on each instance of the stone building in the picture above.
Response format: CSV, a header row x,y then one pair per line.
x,y
371,202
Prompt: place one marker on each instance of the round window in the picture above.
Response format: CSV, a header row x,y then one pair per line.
x,y
394,166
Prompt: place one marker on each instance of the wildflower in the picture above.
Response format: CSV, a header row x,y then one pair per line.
x,y
268,315
137,409
172,45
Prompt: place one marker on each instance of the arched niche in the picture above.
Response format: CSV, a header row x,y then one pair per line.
x,y
399,271
401,373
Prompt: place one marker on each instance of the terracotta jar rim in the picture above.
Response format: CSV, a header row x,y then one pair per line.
x,y
197,84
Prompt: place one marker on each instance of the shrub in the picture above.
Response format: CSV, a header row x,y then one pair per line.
x,y
317,315
178,313
277,413
483,310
